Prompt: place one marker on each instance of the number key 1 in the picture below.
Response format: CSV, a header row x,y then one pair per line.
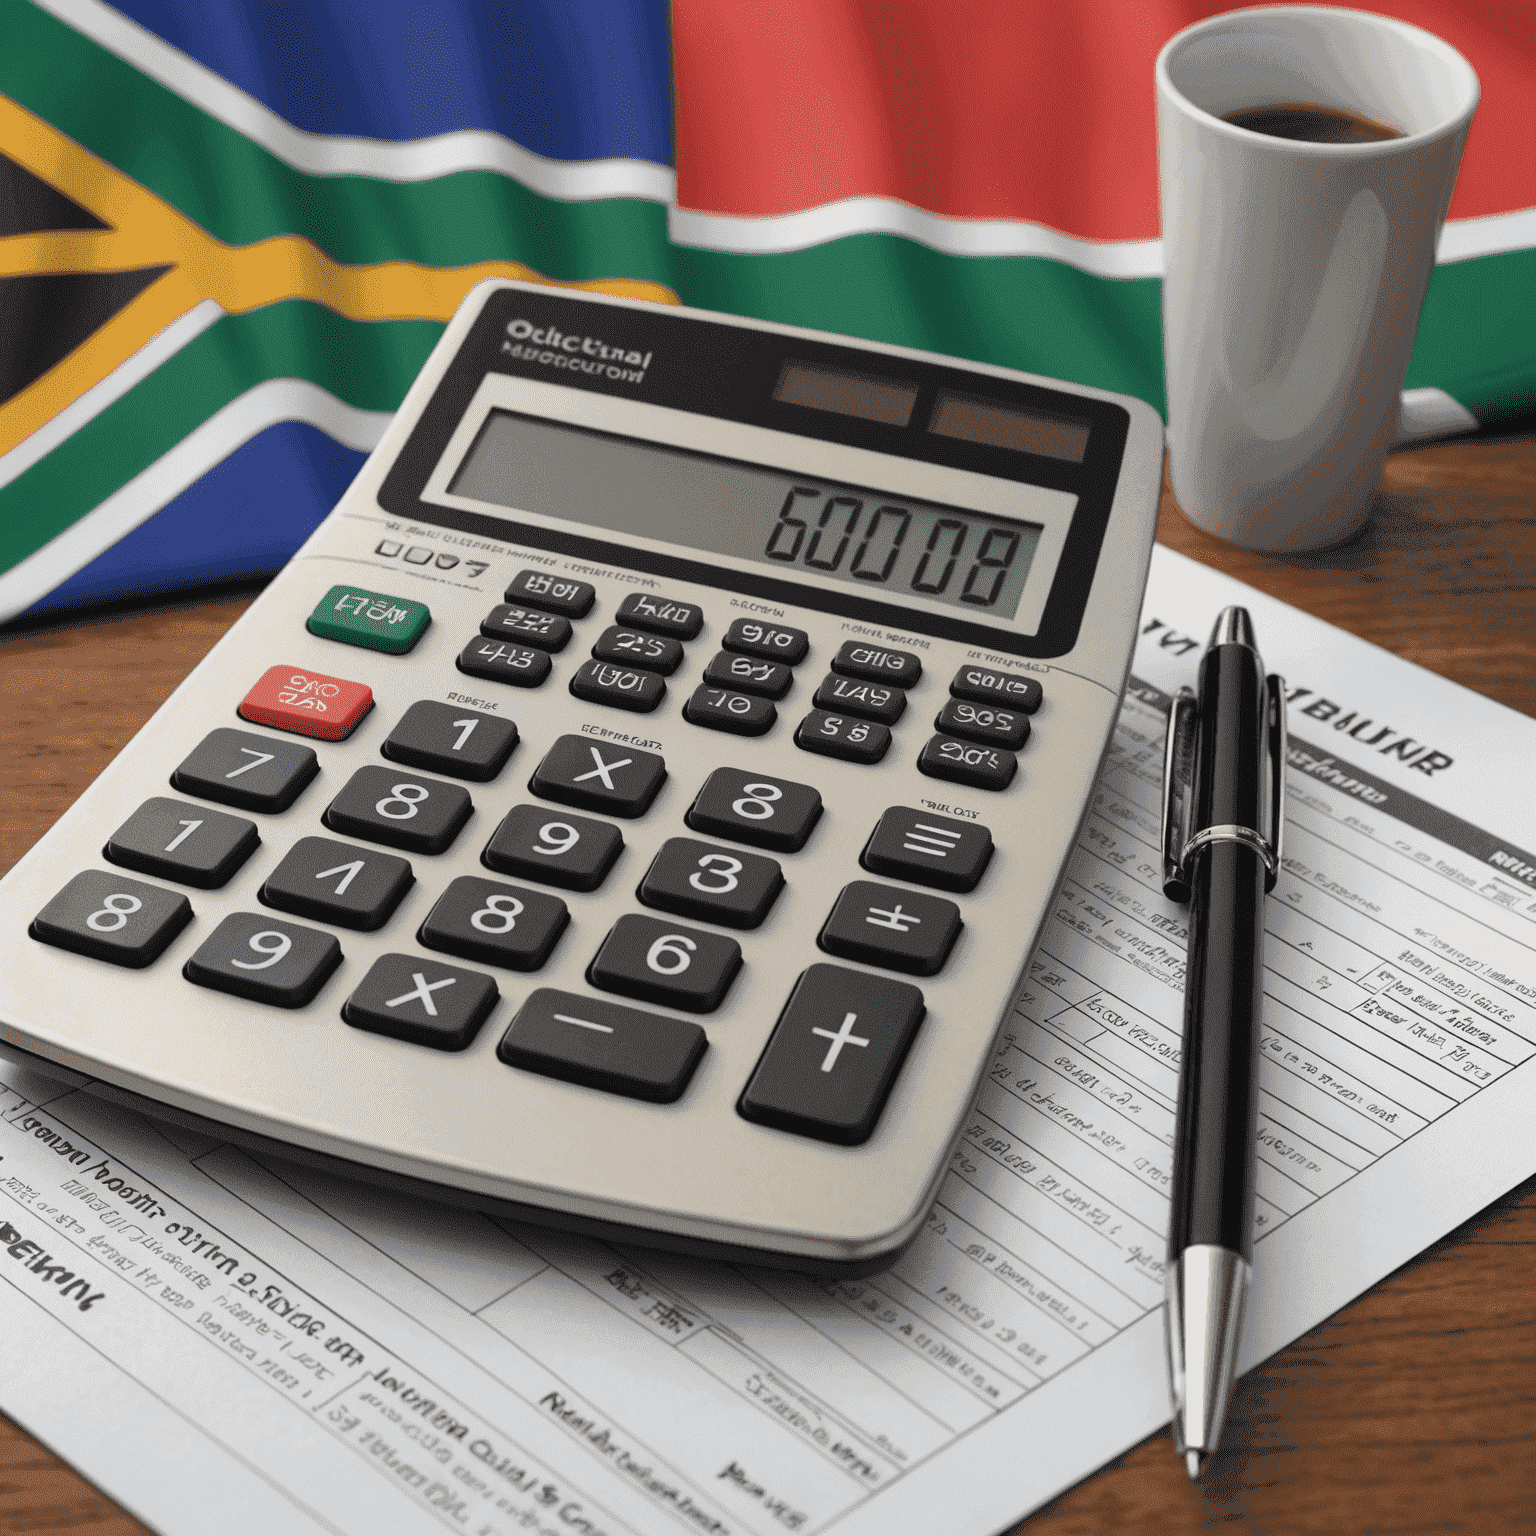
x,y
447,738
260,957
186,843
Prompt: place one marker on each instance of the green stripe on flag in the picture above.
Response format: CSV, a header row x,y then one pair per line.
x,y
367,365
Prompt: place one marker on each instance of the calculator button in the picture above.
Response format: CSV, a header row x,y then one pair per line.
x,y
423,1001
856,741
373,620
599,776
722,710
600,682
832,1059
260,957
750,674
554,594
662,615
337,883
186,843
900,930
448,738
963,762
540,844
873,701
306,703
736,890
986,723
497,661
928,849
398,809
773,642
753,808
603,1045
254,773
112,918
877,664
495,924
660,962
985,686
511,621
635,648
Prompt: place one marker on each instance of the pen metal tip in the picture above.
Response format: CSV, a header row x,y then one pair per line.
x,y
1233,626
1192,1464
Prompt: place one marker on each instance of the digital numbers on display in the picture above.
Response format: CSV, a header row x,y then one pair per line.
x,y
937,555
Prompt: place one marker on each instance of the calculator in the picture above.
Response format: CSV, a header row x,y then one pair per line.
x,y
634,805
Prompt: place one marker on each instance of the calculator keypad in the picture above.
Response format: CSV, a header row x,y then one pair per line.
x,y
449,738
660,962
749,674
259,957
495,924
635,648
700,880
832,1059
307,703
984,723
855,741
757,809
555,594
603,1045
720,709
599,776
601,682
772,642
870,701
253,773
186,843
110,917
499,661
401,810
928,850
964,762
571,852
409,997
662,615
897,929
528,626
338,883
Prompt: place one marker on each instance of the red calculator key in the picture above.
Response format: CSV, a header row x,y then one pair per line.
x,y
307,703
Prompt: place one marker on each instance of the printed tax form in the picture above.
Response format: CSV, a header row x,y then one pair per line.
x,y
222,1343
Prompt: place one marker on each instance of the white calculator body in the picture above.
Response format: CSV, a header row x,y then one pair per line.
x,y
634,805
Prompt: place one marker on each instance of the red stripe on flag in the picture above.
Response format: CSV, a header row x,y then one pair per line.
x,y
1003,109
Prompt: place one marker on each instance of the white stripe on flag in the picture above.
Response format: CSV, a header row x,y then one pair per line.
x,y
319,154
103,392
210,444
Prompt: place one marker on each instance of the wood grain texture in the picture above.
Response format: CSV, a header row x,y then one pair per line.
x,y
1412,1410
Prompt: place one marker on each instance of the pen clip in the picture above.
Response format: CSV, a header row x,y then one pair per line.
x,y
1277,741
1179,791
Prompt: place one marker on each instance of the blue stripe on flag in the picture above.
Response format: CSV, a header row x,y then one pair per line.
x,y
569,79
243,519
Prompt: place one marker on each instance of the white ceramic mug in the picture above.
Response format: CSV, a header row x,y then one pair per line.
x,y
1294,271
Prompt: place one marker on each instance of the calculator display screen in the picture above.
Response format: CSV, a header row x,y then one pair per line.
x,y
865,538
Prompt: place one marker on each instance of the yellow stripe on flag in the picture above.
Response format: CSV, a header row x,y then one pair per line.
x,y
147,232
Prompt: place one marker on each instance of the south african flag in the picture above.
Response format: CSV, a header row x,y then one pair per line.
x,y
230,230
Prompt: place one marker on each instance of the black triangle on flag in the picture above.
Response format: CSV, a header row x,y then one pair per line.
x,y
29,206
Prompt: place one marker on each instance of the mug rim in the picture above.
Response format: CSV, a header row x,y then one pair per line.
x,y
1234,22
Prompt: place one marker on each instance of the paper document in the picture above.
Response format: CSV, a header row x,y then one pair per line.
x,y
226,1344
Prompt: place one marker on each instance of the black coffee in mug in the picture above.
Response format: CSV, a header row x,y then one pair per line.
x,y
1313,125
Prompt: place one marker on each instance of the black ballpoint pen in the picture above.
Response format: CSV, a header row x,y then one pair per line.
x,y
1223,799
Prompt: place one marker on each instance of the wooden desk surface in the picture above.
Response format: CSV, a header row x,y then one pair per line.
x,y
1414,1409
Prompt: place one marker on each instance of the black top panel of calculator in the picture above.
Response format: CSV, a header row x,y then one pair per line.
x,y
730,372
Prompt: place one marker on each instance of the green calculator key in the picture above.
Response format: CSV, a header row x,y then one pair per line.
x,y
356,616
